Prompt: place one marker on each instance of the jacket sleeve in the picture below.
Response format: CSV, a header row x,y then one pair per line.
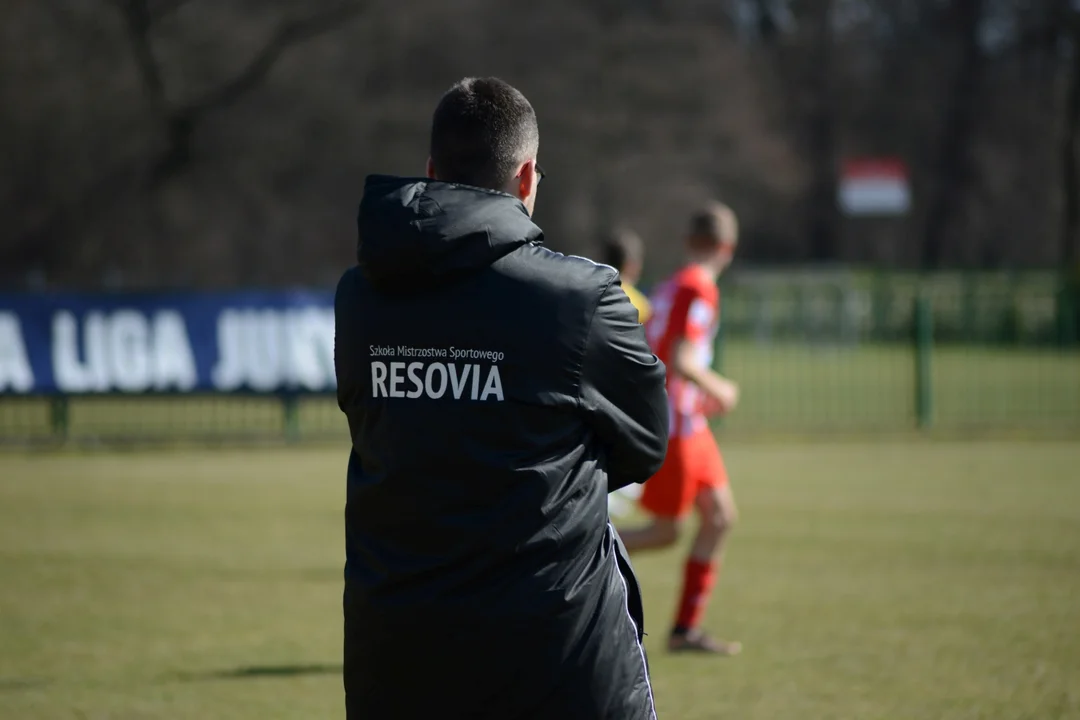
x,y
346,357
622,391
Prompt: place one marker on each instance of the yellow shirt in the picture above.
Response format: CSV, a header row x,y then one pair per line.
x,y
639,301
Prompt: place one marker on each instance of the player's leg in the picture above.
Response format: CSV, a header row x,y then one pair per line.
x,y
716,508
667,497
715,505
660,532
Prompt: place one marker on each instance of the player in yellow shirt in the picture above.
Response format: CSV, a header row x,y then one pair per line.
x,y
624,250
640,302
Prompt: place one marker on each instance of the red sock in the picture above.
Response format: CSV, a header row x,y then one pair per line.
x,y
698,583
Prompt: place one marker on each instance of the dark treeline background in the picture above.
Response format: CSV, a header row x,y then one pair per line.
x,y
209,143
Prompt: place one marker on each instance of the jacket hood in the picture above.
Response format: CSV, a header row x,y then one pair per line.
x,y
417,233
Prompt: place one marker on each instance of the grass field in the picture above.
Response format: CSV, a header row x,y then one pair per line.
x,y
791,388
906,580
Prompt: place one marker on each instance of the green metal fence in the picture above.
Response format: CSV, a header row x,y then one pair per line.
x,y
852,352
813,353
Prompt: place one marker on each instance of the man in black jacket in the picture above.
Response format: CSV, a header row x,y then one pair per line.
x,y
496,391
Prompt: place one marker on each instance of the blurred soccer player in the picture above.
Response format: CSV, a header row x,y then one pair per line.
x,y
682,331
623,250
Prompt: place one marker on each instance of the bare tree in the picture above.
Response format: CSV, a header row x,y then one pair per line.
x,y
180,120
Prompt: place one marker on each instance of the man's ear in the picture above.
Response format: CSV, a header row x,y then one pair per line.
x,y
431,169
525,180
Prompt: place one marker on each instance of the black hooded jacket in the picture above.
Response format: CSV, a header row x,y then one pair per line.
x,y
496,391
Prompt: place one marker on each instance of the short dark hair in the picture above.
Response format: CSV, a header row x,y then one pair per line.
x,y
483,129
713,224
620,246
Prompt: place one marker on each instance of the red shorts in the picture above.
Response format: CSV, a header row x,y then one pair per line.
x,y
692,464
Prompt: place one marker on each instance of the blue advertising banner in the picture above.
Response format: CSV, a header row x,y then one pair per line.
x,y
263,342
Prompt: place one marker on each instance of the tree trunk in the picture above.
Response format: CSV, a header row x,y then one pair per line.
x,y
767,27
954,162
609,143
1070,167
822,147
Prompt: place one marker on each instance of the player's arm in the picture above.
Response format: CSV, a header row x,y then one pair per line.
x,y
722,394
622,392
692,318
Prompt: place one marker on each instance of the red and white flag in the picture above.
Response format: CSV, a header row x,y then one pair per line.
x,y
874,186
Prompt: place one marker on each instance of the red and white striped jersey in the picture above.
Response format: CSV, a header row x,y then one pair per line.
x,y
685,306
